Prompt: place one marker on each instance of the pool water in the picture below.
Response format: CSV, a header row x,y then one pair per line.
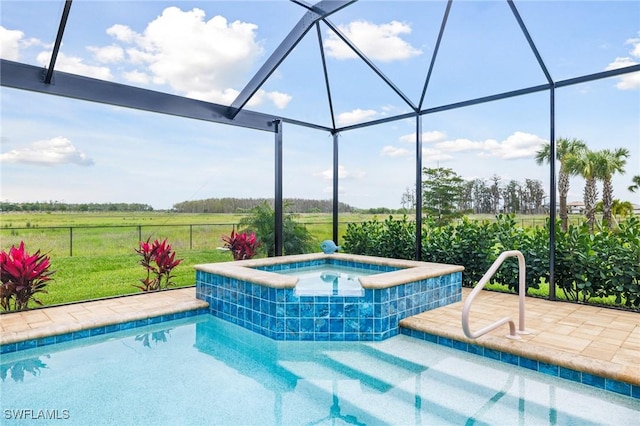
x,y
203,370
328,280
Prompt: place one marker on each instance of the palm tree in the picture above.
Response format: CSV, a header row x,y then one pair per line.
x,y
586,164
565,148
609,163
636,183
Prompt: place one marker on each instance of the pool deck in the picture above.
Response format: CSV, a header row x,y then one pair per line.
x,y
601,341
604,342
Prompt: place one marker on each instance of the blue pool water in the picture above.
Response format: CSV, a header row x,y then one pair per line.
x,y
329,280
202,370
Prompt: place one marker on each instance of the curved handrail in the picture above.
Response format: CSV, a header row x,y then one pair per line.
x,y
478,288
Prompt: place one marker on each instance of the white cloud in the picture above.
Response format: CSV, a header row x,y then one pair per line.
x,y
517,145
199,58
356,116
427,137
122,33
74,65
635,46
13,41
107,54
392,151
136,77
50,152
380,42
280,100
430,155
342,174
10,43
458,145
628,81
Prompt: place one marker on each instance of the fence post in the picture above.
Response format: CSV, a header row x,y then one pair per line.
x,y
71,241
139,232
191,237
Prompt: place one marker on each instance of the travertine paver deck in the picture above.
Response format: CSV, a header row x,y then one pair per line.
x,y
19,326
600,341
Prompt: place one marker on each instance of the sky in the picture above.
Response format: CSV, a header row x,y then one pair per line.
x,y
65,150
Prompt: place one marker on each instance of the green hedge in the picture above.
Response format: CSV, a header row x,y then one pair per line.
x,y
603,264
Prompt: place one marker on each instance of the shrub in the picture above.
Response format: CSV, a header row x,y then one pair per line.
x,y
603,264
392,238
623,266
468,243
242,246
22,276
296,238
159,260
533,243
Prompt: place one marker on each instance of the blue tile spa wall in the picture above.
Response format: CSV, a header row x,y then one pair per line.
x,y
282,315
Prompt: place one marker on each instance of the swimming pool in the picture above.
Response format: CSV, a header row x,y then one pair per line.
x,y
202,370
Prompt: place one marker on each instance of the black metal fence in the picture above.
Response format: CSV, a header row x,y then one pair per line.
x,y
121,239
113,239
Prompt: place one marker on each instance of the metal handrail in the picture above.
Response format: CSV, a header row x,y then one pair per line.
x,y
521,294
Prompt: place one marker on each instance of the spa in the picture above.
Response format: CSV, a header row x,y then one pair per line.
x,y
363,298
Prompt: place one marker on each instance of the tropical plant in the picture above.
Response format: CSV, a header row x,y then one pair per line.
x,y
586,163
609,163
22,276
242,245
636,184
159,260
565,148
262,221
621,208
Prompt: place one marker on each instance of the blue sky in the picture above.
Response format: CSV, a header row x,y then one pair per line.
x,y
66,150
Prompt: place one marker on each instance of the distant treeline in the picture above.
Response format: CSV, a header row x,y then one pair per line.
x,y
241,205
56,206
211,205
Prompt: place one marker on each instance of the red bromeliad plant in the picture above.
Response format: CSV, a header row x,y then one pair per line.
x,y
22,276
242,246
159,260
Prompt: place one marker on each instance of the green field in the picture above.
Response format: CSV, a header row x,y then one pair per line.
x,y
94,254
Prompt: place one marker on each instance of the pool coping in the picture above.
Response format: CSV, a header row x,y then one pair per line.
x,y
411,270
441,330
174,302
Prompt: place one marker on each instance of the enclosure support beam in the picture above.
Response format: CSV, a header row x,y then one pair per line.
x,y
58,42
21,76
277,203
418,187
318,11
552,193
335,188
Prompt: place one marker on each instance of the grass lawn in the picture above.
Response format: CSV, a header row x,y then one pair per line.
x,y
82,278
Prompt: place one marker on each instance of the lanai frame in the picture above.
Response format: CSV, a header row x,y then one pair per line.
x,y
50,81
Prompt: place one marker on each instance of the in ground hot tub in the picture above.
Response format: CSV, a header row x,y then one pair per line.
x,y
262,295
